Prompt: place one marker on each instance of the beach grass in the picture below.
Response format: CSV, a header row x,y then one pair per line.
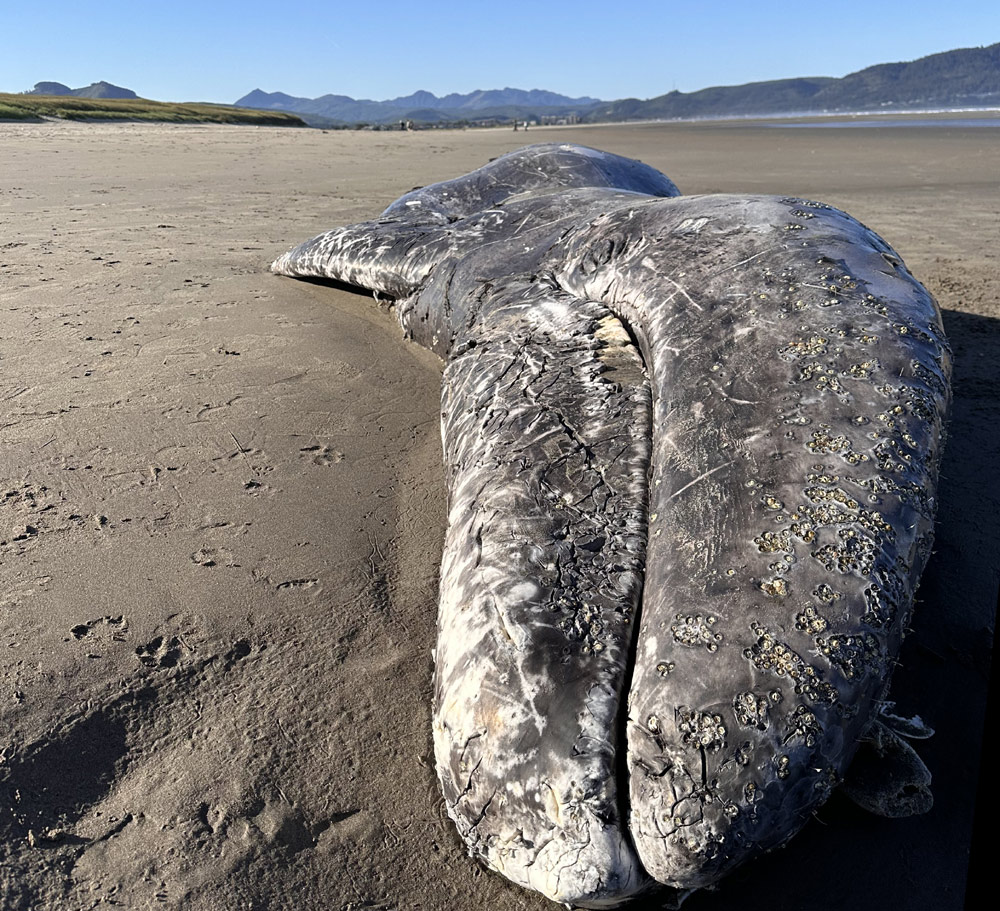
x,y
37,107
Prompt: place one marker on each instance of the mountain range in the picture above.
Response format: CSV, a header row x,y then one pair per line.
x,y
966,77
421,106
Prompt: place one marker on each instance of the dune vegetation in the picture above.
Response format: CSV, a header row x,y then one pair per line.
x,y
37,107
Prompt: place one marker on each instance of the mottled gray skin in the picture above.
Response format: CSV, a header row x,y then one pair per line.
x,y
731,406
800,382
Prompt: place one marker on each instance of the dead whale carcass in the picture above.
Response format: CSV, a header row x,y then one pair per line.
x,y
728,407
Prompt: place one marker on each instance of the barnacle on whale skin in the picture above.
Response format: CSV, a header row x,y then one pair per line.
x,y
691,449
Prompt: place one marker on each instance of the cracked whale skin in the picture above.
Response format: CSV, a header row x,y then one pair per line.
x,y
691,448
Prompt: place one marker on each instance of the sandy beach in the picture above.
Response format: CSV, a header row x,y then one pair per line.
x,y
222,509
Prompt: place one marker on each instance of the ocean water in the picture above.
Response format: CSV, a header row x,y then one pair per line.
x,y
880,123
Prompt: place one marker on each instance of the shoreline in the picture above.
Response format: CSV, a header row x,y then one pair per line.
x,y
900,114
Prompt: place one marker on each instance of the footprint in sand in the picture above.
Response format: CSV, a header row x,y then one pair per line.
x,y
213,556
297,584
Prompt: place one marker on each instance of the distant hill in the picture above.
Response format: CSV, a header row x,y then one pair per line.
x,y
50,88
421,106
94,90
968,77
104,90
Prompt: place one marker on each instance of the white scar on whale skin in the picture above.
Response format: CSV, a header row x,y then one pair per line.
x,y
728,407
701,477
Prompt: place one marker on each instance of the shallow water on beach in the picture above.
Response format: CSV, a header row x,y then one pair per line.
x,y
881,123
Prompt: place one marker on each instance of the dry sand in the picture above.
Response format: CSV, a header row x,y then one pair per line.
x,y
221,511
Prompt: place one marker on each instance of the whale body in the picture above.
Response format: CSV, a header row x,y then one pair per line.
x,y
691,449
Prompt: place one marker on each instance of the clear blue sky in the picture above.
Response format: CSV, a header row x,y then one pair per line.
x,y
177,50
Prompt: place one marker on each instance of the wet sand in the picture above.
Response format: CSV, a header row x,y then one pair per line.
x,y
222,508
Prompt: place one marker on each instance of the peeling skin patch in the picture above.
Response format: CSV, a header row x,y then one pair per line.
x,y
731,405
542,444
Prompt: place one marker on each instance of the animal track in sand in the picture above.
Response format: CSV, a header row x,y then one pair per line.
x,y
176,638
23,513
160,652
28,500
322,455
102,628
255,488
